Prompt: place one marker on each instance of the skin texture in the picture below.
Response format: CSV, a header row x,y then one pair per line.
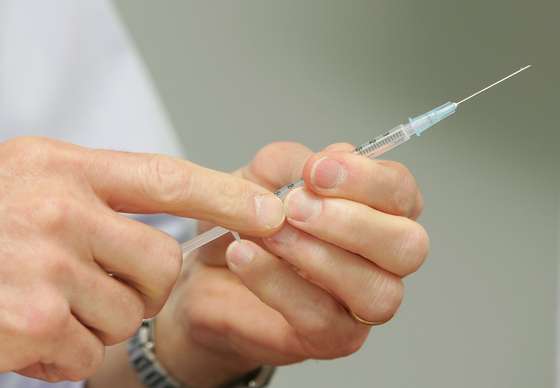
x,y
348,240
61,236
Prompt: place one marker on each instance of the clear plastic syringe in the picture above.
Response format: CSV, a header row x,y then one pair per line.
x,y
372,149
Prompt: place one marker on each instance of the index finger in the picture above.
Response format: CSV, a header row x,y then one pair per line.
x,y
151,183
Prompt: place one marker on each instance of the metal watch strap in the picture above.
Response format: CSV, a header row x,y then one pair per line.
x,y
141,354
142,358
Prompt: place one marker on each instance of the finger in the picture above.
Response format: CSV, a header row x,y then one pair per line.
x,y
144,258
323,324
369,291
385,185
276,165
394,243
339,147
75,355
145,183
79,354
265,170
116,311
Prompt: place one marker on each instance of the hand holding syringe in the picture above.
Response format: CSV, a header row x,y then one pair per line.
x,y
372,149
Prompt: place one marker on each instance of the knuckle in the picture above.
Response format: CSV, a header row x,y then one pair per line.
x,y
166,180
88,363
266,160
92,363
340,147
232,191
413,249
317,324
133,307
163,280
30,150
52,373
26,143
171,264
406,190
352,344
419,208
46,316
197,310
271,151
53,215
135,316
319,327
196,317
153,305
387,298
264,154
56,265
194,313
326,341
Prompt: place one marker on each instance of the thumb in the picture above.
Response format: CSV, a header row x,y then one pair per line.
x,y
151,183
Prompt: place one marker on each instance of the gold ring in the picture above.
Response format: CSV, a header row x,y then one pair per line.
x,y
362,320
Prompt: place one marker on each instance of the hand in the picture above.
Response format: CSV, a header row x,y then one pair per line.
x,y
349,239
61,235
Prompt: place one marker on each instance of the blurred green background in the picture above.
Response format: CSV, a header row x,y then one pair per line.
x,y
239,74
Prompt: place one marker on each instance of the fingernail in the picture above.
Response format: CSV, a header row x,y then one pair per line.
x,y
286,235
239,254
327,173
301,205
270,210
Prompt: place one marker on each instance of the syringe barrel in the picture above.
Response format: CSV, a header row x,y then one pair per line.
x,y
381,144
372,149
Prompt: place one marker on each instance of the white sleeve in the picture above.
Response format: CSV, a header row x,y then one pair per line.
x,y
71,72
13,380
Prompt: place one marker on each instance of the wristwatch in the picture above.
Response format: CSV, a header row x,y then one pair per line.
x,y
142,358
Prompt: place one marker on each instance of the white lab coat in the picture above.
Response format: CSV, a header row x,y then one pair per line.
x,y
68,70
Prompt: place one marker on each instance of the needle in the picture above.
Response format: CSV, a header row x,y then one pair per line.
x,y
494,84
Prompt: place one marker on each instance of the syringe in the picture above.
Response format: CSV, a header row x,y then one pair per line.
x,y
372,149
